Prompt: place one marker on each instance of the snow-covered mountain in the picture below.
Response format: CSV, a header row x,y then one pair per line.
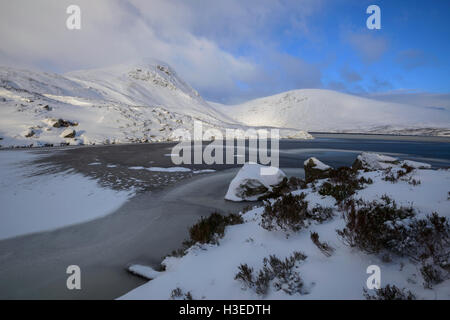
x,y
330,111
147,83
146,101
143,101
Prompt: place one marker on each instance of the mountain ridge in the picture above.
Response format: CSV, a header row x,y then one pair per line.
x,y
132,102
146,101
321,110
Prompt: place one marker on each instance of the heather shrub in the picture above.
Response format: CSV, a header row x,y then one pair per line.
x,y
280,274
384,227
295,183
375,226
342,175
288,212
320,214
338,191
429,239
178,294
390,293
285,186
324,247
209,229
245,275
342,184
431,275
398,174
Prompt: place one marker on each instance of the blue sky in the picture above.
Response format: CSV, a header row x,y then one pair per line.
x,y
414,40
234,50
410,52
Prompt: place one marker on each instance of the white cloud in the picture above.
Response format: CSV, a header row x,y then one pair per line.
x,y
200,39
370,48
415,98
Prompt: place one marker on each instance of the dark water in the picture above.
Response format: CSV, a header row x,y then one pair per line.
x,y
333,149
342,149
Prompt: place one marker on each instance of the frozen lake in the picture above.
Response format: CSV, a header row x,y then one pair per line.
x,y
155,221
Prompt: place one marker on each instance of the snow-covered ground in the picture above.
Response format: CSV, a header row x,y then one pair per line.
x,y
330,111
207,271
32,203
142,101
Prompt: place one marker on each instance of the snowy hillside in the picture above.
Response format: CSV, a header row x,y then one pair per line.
x,y
320,239
330,111
147,83
143,101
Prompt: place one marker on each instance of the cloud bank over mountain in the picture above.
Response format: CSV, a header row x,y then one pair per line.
x,y
232,51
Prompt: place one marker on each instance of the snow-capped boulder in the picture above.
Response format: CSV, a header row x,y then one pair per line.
x,y
253,181
29,133
315,169
374,161
68,133
63,123
144,271
416,165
